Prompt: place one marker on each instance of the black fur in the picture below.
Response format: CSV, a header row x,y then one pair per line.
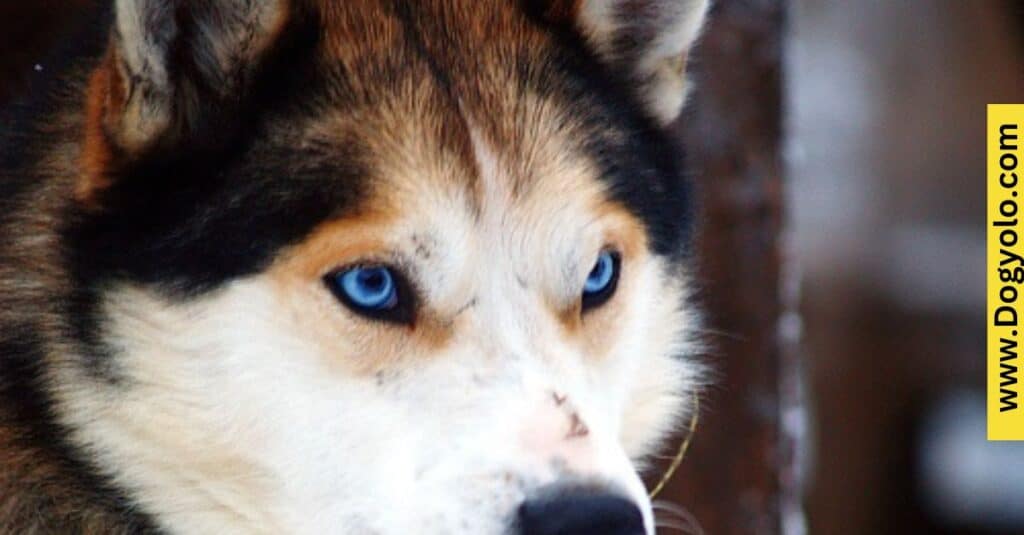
x,y
220,204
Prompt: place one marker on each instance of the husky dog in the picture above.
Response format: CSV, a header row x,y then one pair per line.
x,y
297,266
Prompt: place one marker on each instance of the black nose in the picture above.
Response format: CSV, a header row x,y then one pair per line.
x,y
580,514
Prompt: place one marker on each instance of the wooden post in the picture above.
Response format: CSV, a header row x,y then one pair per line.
x,y
730,480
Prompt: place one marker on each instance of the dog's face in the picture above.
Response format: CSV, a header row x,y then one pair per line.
x,y
383,268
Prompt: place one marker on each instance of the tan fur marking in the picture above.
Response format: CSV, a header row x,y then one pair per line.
x,y
104,95
596,328
358,344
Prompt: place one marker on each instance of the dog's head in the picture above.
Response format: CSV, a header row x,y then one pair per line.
x,y
383,267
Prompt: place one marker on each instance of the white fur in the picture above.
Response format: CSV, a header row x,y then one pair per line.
x,y
233,417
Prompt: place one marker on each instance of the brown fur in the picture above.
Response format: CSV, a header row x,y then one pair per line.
x,y
414,121
104,92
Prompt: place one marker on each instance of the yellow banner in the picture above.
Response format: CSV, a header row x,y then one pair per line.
x,y
1005,271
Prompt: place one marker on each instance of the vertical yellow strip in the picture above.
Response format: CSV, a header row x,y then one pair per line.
x,y
1005,181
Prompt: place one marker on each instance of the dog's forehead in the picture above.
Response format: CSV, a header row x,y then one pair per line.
x,y
460,103
453,36
439,189
424,86
419,149
449,75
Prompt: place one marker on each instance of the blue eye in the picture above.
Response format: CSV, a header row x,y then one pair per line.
x,y
602,279
367,289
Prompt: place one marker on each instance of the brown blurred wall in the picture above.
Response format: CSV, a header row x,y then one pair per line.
x,y
886,105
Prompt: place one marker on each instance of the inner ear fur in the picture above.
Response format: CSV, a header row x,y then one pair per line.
x,y
174,70
646,41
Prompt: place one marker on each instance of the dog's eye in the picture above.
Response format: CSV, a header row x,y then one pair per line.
x,y
373,291
371,288
601,281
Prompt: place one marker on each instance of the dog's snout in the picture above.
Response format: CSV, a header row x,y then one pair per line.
x,y
580,514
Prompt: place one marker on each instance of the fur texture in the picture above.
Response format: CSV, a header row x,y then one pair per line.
x,y
171,359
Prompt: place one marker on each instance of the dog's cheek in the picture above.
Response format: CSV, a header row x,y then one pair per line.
x,y
658,405
661,346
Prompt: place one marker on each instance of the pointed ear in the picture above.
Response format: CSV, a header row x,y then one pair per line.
x,y
173,63
646,40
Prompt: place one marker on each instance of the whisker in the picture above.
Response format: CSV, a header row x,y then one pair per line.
x,y
674,526
676,513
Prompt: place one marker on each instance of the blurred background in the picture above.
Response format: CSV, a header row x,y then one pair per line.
x,y
885,158
839,150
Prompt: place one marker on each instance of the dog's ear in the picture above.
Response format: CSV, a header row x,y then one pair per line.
x,y
173,60
175,69
646,40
